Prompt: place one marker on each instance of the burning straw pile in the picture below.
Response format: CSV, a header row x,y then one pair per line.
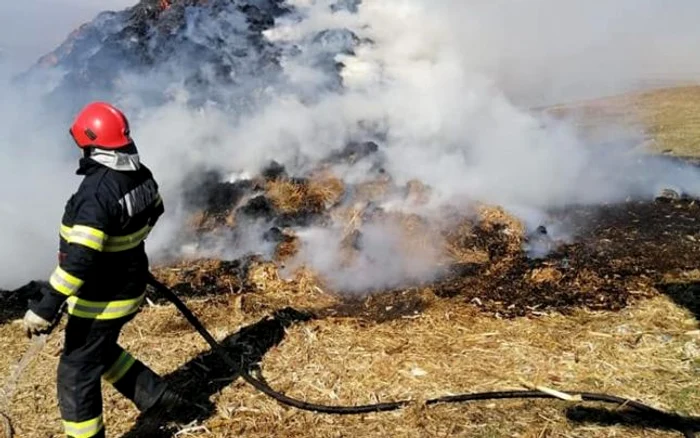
x,y
479,256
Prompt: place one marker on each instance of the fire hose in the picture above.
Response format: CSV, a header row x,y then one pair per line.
x,y
672,420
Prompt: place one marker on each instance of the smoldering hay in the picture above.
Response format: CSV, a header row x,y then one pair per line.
x,y
443,88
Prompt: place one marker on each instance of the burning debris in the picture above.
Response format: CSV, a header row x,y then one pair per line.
x,y
214,196
273,197
487,259
482,255
207,277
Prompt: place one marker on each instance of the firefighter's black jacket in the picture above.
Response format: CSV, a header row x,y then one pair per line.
x,y
102,260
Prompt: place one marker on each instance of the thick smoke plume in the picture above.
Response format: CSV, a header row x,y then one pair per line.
x,y
444,87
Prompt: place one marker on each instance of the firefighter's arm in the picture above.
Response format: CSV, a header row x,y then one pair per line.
x,y
158,209
85,244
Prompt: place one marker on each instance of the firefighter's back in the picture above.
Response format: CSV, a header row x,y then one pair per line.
x,y
125,205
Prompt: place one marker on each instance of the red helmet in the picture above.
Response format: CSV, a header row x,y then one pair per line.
x,y
101,125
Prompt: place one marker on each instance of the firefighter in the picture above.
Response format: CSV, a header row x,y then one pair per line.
x,y
101,275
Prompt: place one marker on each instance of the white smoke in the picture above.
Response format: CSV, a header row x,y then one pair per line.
x,y
36,180
380,263
448,83
37,169
31,28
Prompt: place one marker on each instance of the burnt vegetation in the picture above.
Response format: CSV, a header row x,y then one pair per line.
x,y
619,252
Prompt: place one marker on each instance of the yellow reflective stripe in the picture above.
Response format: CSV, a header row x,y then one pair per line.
x,y
103,309
130,241
99,241
87,236
159,200
64,282
65,232
83,429
123,363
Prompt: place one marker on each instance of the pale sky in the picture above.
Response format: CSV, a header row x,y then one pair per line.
x,y
31,28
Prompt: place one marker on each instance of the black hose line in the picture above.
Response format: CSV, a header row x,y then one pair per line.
x,y
672,420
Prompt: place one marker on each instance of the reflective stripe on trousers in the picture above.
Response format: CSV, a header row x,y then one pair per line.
x,y
120,367
83,429
90,356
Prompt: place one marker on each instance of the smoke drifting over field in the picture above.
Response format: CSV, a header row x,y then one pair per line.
x,y
442,87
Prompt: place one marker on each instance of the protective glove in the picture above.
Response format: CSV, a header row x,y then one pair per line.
x,y
34,324
49,306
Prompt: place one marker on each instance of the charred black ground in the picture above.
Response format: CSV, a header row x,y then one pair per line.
x,y
14,303
621,252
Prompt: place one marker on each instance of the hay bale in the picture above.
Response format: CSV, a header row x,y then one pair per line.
x,y
420,236
287,196
324,191
313,196
309,283
202,221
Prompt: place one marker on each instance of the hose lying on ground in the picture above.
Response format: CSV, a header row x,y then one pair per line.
x,y
674,421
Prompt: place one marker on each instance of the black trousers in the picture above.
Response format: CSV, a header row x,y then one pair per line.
x,y
91,353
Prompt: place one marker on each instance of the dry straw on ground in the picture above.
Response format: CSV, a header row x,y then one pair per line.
x,y
641,352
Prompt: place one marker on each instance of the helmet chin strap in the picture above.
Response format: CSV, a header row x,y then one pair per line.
x,y
114,159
